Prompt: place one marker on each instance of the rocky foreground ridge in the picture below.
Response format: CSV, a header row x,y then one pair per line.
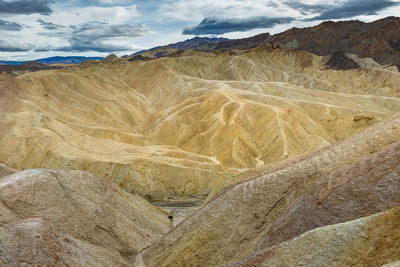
x,y
338,206
73,218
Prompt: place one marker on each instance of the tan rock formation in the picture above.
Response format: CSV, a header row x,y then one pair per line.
x,y
180,127
98,217
346,181
36,242
9,91
370,241
5,170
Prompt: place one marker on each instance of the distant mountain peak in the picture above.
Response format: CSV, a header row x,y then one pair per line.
x,y
207,44
53,60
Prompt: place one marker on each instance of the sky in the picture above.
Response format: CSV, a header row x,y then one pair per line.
x,y
33,29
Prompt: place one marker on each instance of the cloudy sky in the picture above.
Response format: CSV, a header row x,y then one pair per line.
x,y
31,29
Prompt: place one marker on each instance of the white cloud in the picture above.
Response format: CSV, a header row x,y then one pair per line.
x,y
193,10
164,21
95,36
12,45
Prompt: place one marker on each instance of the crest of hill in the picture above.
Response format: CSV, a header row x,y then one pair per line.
x,y
238,44
203,44
163,51
196,42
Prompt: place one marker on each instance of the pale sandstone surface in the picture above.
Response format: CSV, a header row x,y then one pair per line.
x,y
354,178
370,241
98,215
392,264
181,127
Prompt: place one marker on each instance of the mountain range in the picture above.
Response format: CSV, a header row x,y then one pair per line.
x,y
53,60
378,40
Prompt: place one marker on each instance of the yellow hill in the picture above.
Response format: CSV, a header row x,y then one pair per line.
x,y
182,126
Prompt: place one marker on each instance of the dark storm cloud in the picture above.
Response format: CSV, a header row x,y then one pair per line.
x,y
49,25
305,8
93,36
353,8
9,26
221,26
26,7
8,46
100,30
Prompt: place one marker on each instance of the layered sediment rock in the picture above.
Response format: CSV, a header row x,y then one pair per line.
x,y
346,181
36,242
73,213
370,241
378,40
165,130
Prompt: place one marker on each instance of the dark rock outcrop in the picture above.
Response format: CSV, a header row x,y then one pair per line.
x,y
339,61
377,40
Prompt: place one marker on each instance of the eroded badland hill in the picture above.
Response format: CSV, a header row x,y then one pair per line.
x,y
298,160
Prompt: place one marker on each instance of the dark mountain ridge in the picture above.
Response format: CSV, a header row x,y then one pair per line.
x,y
53,60
28,66
378,40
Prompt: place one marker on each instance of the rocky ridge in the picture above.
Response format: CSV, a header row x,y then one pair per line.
x,y
369,241
347,181
72,217
377,40
212,45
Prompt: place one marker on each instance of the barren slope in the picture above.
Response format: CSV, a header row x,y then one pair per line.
x,y
180,127
370,241
50,217
355,178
